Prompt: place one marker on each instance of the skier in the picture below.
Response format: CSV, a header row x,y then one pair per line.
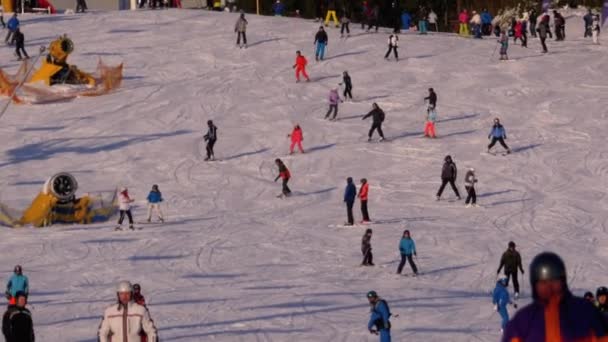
x,y
588,19
406,21
373,18
363,195
498,134
240,29
602,300
125,320
555,314
124,205
422,24
448,175
379,323
334,98
517,32
396,17
365,11
463,19
210,138
155,197
476,23
19,40
378,116
431,118
285,175
432,98
2,17
407,249
433,20
486,22
469,184
16,283
560,26
511,261
349,198
81,6
12,26
348,85
321,41
543,30
278,8
137,296
366,248
500,299
595,29
392,46
504,45
300,66
296,139
17,323
345,21
533,19
331,13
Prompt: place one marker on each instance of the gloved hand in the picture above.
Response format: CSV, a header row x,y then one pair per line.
x,y
373,331
495,307
515,305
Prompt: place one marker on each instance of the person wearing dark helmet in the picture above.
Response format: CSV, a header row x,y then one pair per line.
x,y
141,300
589,297
379,323
17,283
601,295
210,138
448,175
511,261
378,116
555,315
17,324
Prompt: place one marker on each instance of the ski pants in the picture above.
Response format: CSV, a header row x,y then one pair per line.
x,y
348,92
533,29
471,195
301,70
81,6
238,39
210,144
368,258
372,22
122,216
410,259
349,212
385,335
320,52
596,35
364,211
293,144
542,42
344,27
429,129
394,49
335,110
486,29
154,207
422,26
477,31
502,310
513,275
331,15
286,190
463,29
500,140
20,49
376,126
445,182
9,37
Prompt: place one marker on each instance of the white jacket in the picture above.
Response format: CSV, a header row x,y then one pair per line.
x,y
432,18
135,318
392,40
476,20
124,202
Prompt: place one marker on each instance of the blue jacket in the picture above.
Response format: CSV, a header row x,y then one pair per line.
x,y
278,8
500,296
498,132
350,193
155,197
407,246
380,315
17,283
406,20
486,18
12,24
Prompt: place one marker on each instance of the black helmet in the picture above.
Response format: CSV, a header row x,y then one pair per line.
x,y
209,122
588,295
601,291
547,266
448,158
511,244
18,269
372,294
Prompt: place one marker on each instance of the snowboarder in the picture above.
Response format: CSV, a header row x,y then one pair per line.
x,y
124,205
278,8
285,175
240,29
555,314
511,261
296,139
407,249
348,85
476,24
595,29
210,138
17,323
379,323
331,13
366,248
125,320
378,116
469,185
363,195
321,41
448,175
334,99
350,193
543,30
433,20
602,300
463,19
12,26
392,46
498,134
155,198
486,22
344,21
504,45
16,283
300,66
500,299
588,19
19,40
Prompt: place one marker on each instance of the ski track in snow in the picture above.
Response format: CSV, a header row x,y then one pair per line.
x,y
233,262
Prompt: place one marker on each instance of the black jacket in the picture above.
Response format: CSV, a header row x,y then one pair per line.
x,y
19,39
449,171
347,82
376,114
321,37
211,133
17,325
511,260
432,99
366,243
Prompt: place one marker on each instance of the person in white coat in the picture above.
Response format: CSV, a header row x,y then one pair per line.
x,y
124,205
126,314
433,20
476,23
595,29
392,46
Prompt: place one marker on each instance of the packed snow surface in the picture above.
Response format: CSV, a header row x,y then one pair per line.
x,y
236,263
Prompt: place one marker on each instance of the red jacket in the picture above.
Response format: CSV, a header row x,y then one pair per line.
x,y
363,192
301,62
285,174
296,135
518,29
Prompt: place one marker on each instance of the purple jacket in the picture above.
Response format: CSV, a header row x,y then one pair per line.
x,y
334,98
578,321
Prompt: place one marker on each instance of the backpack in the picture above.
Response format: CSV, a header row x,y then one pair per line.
x,y
381,116
379,323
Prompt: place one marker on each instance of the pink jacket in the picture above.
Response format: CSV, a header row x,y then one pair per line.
x,y
463,17
334,97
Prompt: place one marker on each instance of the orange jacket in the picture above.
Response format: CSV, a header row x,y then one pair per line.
x,y
301,62
363,191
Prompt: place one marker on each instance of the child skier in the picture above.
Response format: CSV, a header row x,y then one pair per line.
x,y
595,29
210,138
469,185
504,45
348,85
321,41
500,299
498,134
407,248
363,194
334,98
19,40
300,66
284,174
378,116
296,139
155,197
240,29
448,175
366,248
124,205
392,46
345,21
431,114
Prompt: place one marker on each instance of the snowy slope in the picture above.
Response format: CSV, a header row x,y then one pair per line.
x,y
235,263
